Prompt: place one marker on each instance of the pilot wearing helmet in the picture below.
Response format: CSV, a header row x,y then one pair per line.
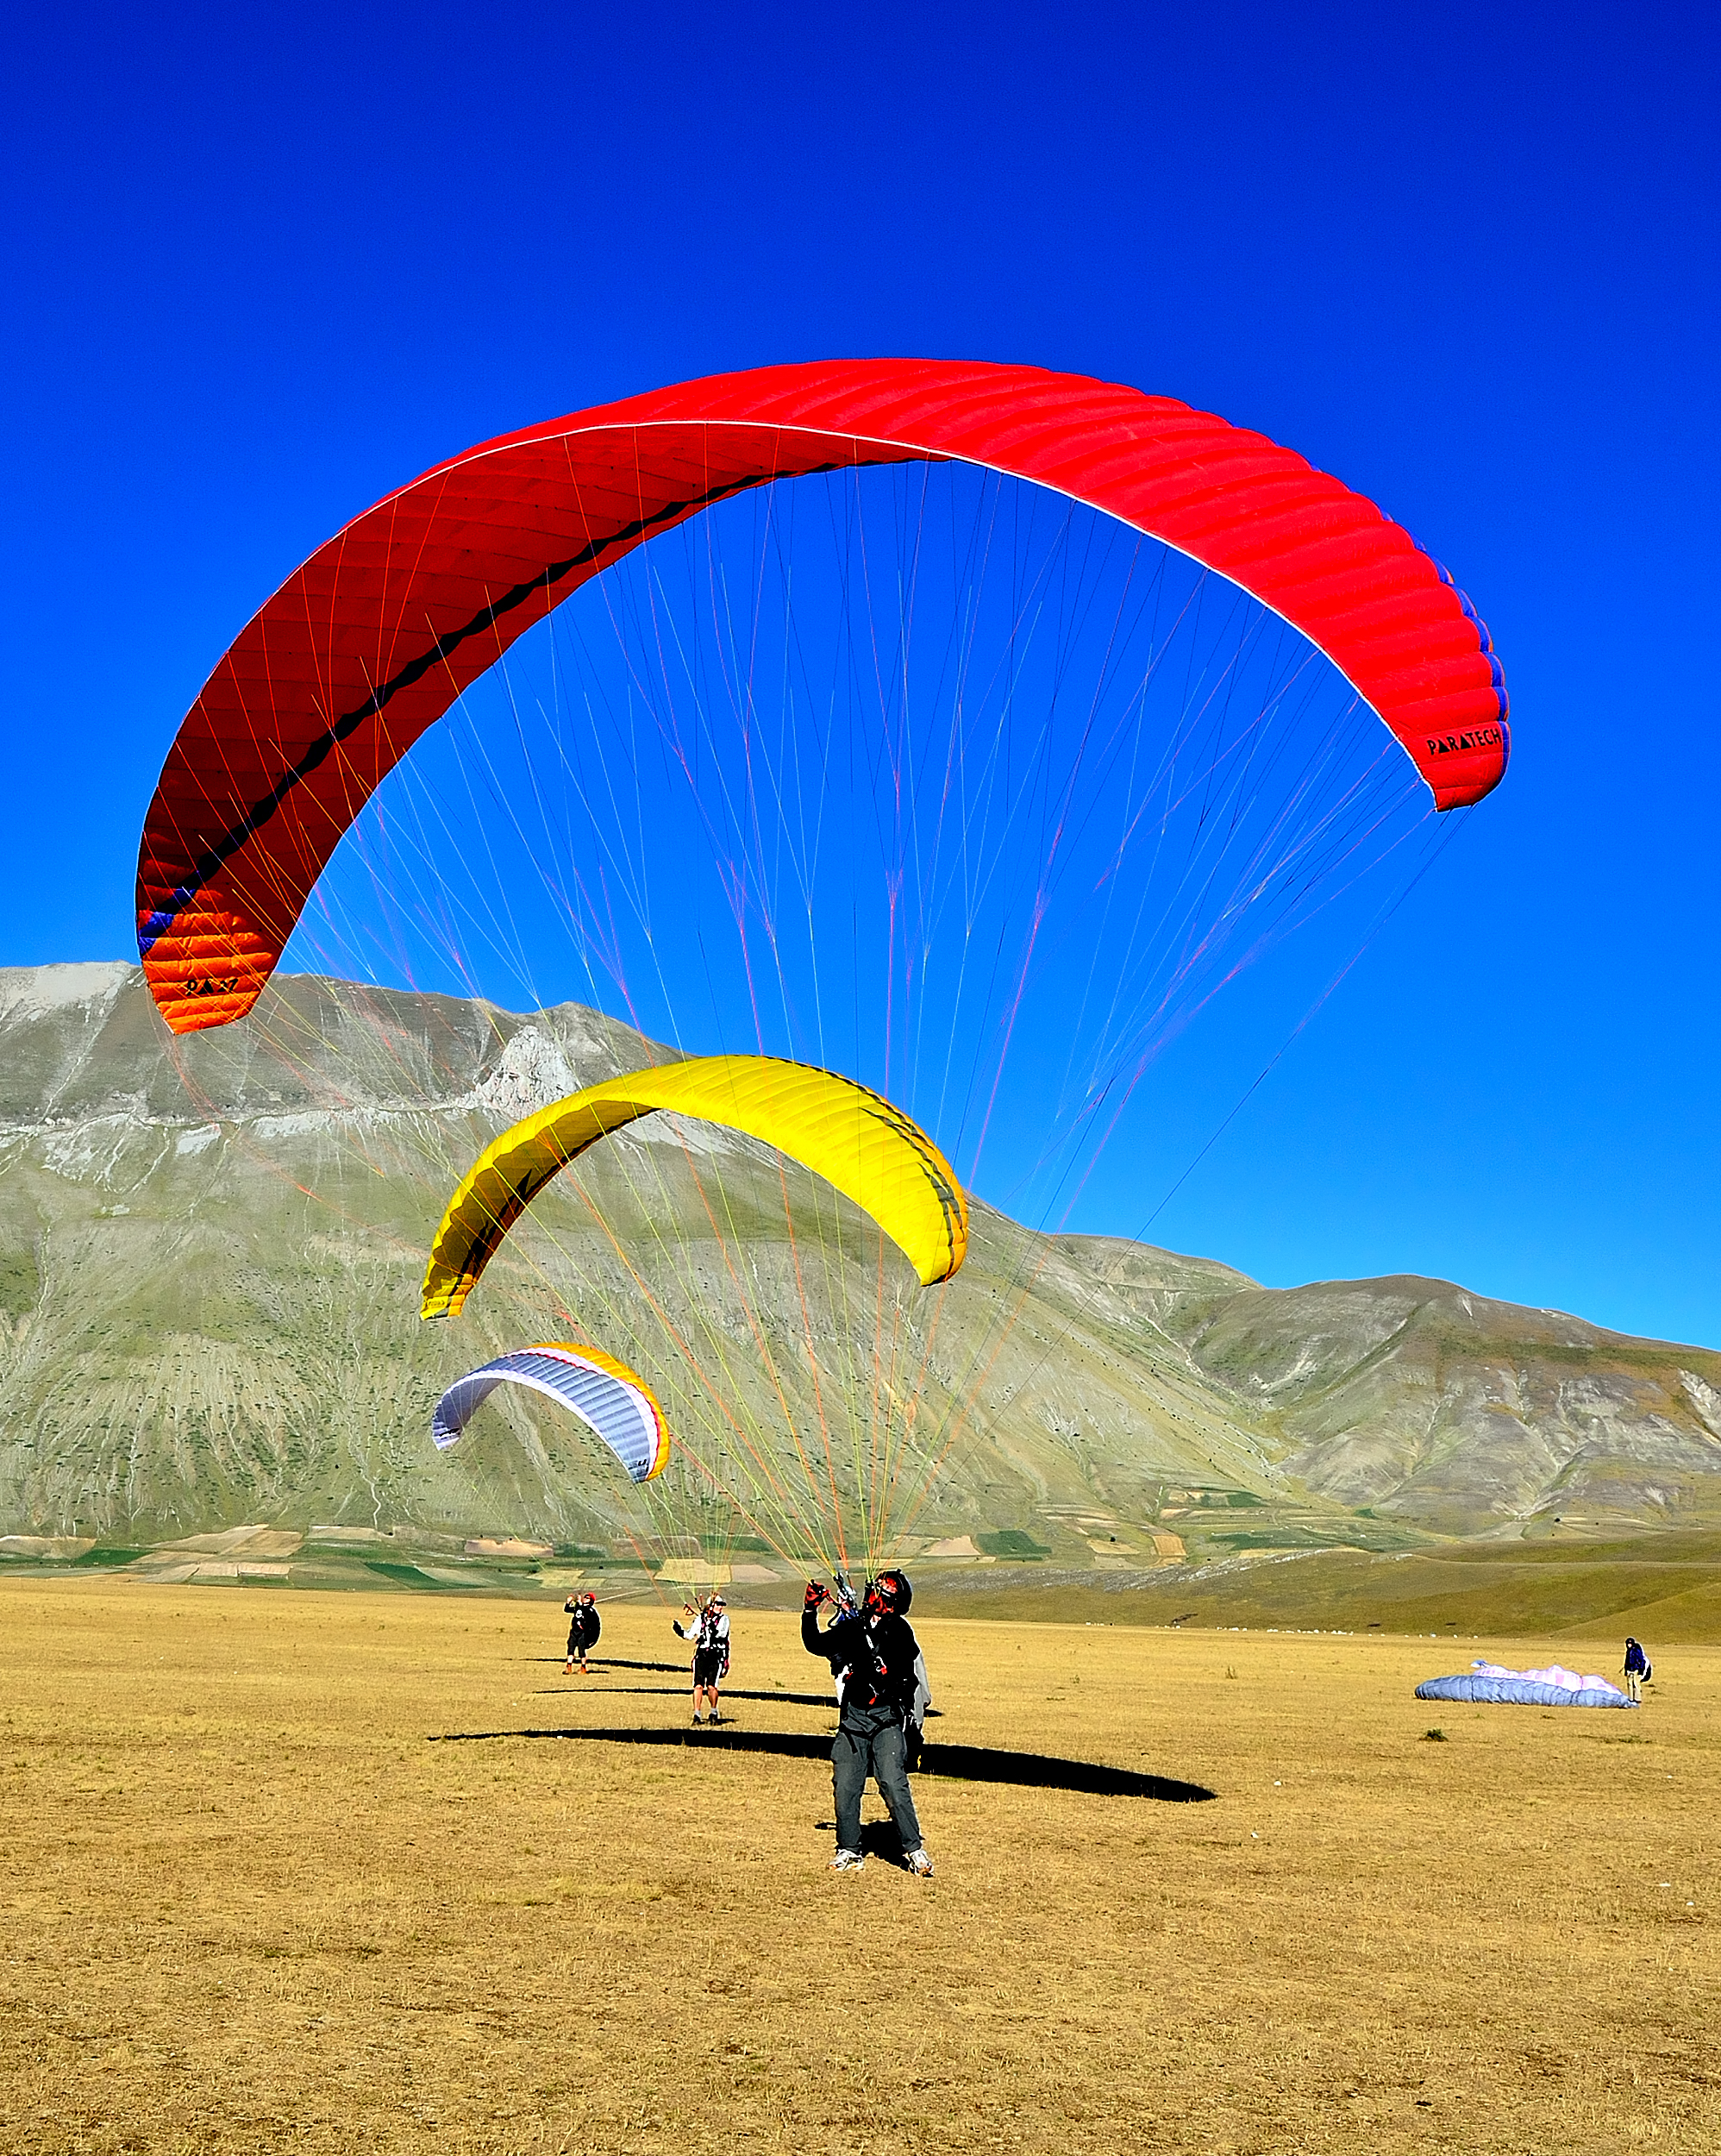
x,y
583,1627
708,1627
880,1682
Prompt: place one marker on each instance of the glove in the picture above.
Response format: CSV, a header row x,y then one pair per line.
x,y
815,1596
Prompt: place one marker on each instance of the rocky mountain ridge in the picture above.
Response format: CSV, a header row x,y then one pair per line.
x,y
210,1250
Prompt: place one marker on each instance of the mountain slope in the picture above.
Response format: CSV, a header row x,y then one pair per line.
x,y
209,1254
1418,1400
212,1250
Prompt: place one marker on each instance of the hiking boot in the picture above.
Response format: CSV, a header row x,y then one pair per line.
x,y
716,1718
847,1861
699,1722
920,1864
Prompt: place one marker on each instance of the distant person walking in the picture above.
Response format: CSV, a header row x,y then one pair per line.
x,y
880,1677
583,1627
1638,1668
708,1627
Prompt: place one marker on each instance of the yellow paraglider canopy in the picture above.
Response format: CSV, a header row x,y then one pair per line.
x,y
850,1136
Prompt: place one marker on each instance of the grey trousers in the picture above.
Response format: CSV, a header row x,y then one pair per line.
x,y
862,1750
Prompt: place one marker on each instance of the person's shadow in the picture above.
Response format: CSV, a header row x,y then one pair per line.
x,y
962,1762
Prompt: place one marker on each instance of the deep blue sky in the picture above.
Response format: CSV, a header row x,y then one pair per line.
x,y
259,271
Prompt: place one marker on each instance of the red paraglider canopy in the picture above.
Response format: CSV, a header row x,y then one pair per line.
x,y
373,640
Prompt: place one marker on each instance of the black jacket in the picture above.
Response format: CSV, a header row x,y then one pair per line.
x,y
871,1660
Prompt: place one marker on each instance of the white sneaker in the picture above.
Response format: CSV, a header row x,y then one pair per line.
x,y
920,1864
847,1861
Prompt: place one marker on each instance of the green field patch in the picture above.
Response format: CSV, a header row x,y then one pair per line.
x,y
1012,1542
1279,1539
414,1575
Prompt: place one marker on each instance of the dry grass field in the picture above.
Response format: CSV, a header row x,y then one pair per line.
x,y
249,1907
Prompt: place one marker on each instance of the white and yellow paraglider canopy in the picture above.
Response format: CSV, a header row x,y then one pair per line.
x,y
613,1401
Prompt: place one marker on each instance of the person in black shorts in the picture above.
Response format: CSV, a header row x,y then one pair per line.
x,y
583,1627
708,1627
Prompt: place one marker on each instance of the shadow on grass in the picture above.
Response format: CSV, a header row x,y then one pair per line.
x,y
879,1837
596,1662
575,1690
957,1763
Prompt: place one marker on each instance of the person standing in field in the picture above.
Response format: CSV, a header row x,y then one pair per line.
x,y
875,1659
708,1627
583,1627
1639,1670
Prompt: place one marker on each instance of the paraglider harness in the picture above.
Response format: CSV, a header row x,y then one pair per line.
x,y
1638,1664
711,1645
586,1624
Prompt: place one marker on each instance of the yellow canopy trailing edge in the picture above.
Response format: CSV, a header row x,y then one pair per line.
x,y
850,1136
